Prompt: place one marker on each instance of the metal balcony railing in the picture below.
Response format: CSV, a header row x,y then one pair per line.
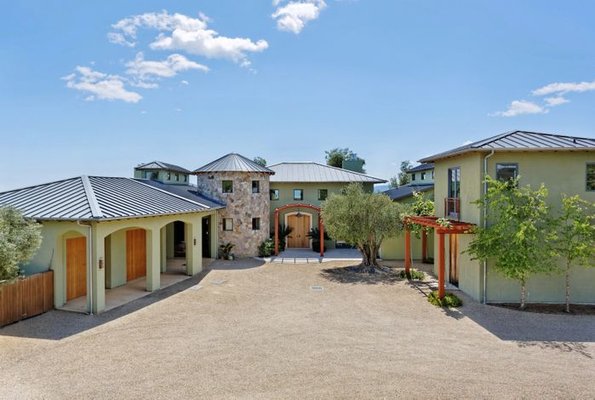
x,y
452,208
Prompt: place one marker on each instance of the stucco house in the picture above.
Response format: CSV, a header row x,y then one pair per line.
x,y
564,164
103,232
421,180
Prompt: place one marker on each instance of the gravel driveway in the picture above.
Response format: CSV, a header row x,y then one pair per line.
x,y
280,331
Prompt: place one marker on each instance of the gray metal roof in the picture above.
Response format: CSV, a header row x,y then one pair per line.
x,y
314,172
187,191
402,192
232,162
422,167
97,198
153,165
520,141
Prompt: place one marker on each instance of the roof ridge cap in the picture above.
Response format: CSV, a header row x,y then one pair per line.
x,y
91,198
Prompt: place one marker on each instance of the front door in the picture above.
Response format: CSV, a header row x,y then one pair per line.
x,y
76,267
136,254
453,270
298,238
206,237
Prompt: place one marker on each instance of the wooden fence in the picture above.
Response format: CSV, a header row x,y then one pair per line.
x,y
26,297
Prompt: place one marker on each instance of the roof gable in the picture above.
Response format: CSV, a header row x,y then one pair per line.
x,y
232,162
520,141
314,172
162,166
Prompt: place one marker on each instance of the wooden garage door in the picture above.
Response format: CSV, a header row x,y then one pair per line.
x,y
76,267
136,254
298,238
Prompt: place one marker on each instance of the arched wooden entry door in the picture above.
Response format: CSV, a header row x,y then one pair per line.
x,y
300,227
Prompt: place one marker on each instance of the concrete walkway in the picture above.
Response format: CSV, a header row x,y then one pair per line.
x,y
307,256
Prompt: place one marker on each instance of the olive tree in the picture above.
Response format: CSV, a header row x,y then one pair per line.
x,y
520,233
363,220
19,240
576,236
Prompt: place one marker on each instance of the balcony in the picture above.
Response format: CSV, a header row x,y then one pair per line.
x,y
452,208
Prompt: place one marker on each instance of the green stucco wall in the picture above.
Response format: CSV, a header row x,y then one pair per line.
x,y
163,176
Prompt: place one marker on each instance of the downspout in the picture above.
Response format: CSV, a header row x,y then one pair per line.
x,y
89,265
485,225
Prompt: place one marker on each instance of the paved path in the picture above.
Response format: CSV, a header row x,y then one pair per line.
x,y
281,331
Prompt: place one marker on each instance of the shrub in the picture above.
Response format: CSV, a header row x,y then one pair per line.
x,y
19,240
266,248
449,300
414,275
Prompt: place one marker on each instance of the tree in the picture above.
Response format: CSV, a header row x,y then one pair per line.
x,y
403,175
576,236
336,156
260,161
19,240
363,220
520,232
393,183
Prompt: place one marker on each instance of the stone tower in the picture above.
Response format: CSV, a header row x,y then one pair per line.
x,y
243,186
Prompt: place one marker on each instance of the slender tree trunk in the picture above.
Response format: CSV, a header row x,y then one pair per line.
x,y
523,292
568,287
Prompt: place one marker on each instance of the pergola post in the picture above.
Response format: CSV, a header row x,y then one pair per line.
x,y
441,291
424,245
276,232
321,230
407,251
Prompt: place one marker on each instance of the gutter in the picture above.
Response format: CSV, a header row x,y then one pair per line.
x,y
485,225
89,266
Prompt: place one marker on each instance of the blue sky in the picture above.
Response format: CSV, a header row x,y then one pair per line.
x,y
96,87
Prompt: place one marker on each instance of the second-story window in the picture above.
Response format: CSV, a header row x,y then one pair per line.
x,y
412,177
454,183
255,186
423,176
177,177
322,194
298,194
591,177
274,194
227,186
168,176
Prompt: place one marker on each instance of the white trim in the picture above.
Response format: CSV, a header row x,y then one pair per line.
x,y
286,224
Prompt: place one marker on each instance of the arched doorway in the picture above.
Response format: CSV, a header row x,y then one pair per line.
x,y
300,223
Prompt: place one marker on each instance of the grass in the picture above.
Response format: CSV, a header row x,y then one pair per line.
x,y
413,275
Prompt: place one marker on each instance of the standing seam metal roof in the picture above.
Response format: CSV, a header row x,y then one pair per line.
x,y
103,198
520,141
162,165
315,172
422,167
232,162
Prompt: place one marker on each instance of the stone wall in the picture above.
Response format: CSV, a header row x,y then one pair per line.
x,y
242,206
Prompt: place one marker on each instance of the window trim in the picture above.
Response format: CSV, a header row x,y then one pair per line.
x,y
589,164
301,196
222,186
225,225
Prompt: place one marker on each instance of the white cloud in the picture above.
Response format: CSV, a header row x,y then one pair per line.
x,y
167,68
520,107
555,101
293,16
180,32
185,83
100,86
564,87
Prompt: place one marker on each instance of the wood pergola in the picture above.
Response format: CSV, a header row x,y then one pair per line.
x,y
441,229
298,206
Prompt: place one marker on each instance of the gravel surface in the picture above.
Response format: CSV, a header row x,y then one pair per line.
x,y
279,331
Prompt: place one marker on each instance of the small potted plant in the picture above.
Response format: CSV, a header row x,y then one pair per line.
x,y
314,234
225,250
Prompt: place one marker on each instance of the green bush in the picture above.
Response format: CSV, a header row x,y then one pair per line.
x,y
414,275
449,300
266,248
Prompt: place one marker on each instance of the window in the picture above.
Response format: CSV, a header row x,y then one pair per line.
x,y
168,176
591,177
228,224
506,172
322,194
255,186
227,186
454,182
255,224
423,176
177,176
298,194
412,177
274,194
185,178
432,174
